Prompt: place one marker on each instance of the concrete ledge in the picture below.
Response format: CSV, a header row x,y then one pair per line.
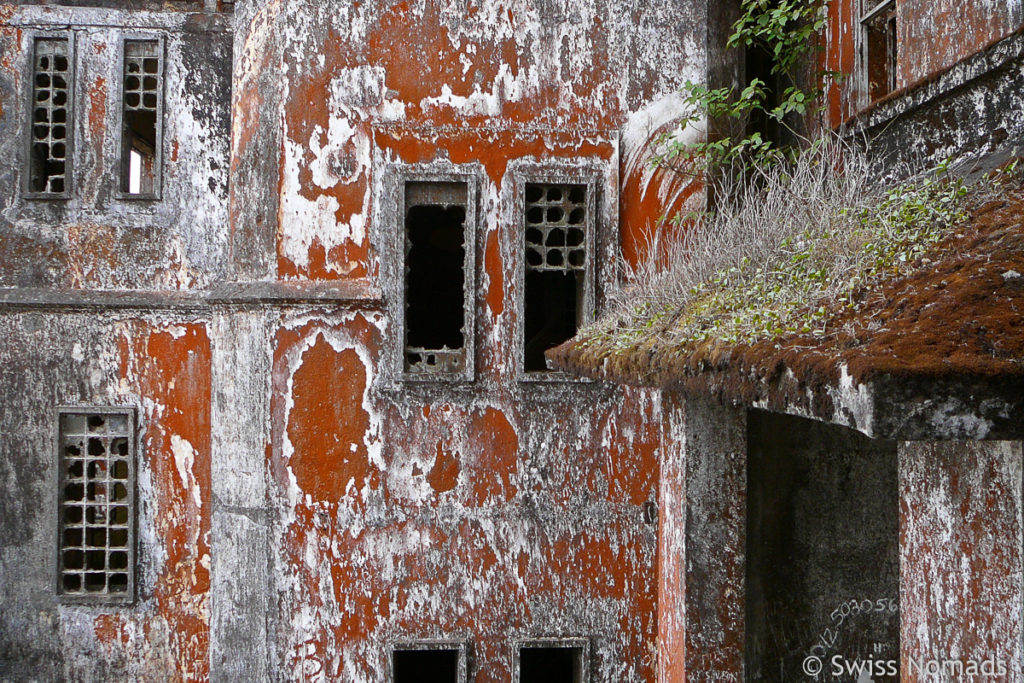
x,y
357,293
352,292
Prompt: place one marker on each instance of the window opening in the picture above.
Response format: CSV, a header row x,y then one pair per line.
x,y
555,281
96,482
425,665
51,117
140,117
553,663
758,64
435,278
879,45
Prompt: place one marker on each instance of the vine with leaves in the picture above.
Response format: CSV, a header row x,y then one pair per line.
x,y
784,29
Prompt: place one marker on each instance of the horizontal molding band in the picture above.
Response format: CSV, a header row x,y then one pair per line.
x,y
345,294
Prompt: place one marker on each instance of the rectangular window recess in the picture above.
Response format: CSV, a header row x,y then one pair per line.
x,y
95,505
879,47
557,280
553,661
438,229
48,173
428,662
142,84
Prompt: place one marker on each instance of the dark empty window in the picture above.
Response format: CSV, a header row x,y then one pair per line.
x,y
436,279
48,163
879,45
439,665
96,481
142,81
556,266
550,663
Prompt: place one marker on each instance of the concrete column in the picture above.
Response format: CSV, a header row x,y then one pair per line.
x,y
961,590
703,509
240,584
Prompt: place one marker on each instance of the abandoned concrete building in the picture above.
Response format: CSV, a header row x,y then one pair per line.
x,y
277,281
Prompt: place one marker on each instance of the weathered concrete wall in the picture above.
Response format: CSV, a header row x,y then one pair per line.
x,y
672,544
967,115
936,34
344,510
961,561
486,511
94,239
161,367
702,520
478,81
153,353
932,36
822,548
472,513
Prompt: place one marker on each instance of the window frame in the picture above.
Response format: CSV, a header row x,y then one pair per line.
x,y
105,598
574,643
398,179
158,152
32,37
875,9
591,177
461,646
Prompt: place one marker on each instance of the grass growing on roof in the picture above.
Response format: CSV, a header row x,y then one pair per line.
x,y
797,246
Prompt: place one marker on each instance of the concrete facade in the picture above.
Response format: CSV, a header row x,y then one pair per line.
x,y
302,504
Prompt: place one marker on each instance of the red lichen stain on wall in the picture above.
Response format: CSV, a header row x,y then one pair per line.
x,y
170,367
327,424
494,267
650,202
839,55
444,475
493,148
630,460
496,443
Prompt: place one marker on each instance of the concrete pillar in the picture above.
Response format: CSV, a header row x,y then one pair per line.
x,y
961,590
240,585
703,507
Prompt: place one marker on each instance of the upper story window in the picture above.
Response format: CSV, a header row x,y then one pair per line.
x,y
437,230
141,115
428,662
96,481
557,226
558,660
49,149
878,48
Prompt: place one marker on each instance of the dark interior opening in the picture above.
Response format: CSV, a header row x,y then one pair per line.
x,y
880,36
550,665
434,285
425,666
759,62
822,548
552,303
138,166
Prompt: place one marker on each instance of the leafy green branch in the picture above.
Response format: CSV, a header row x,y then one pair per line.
x,y
784,29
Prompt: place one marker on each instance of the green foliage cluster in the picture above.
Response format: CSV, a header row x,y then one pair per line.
x,y
785,30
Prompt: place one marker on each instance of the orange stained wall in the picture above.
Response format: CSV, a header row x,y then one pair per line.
x,y
490,511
